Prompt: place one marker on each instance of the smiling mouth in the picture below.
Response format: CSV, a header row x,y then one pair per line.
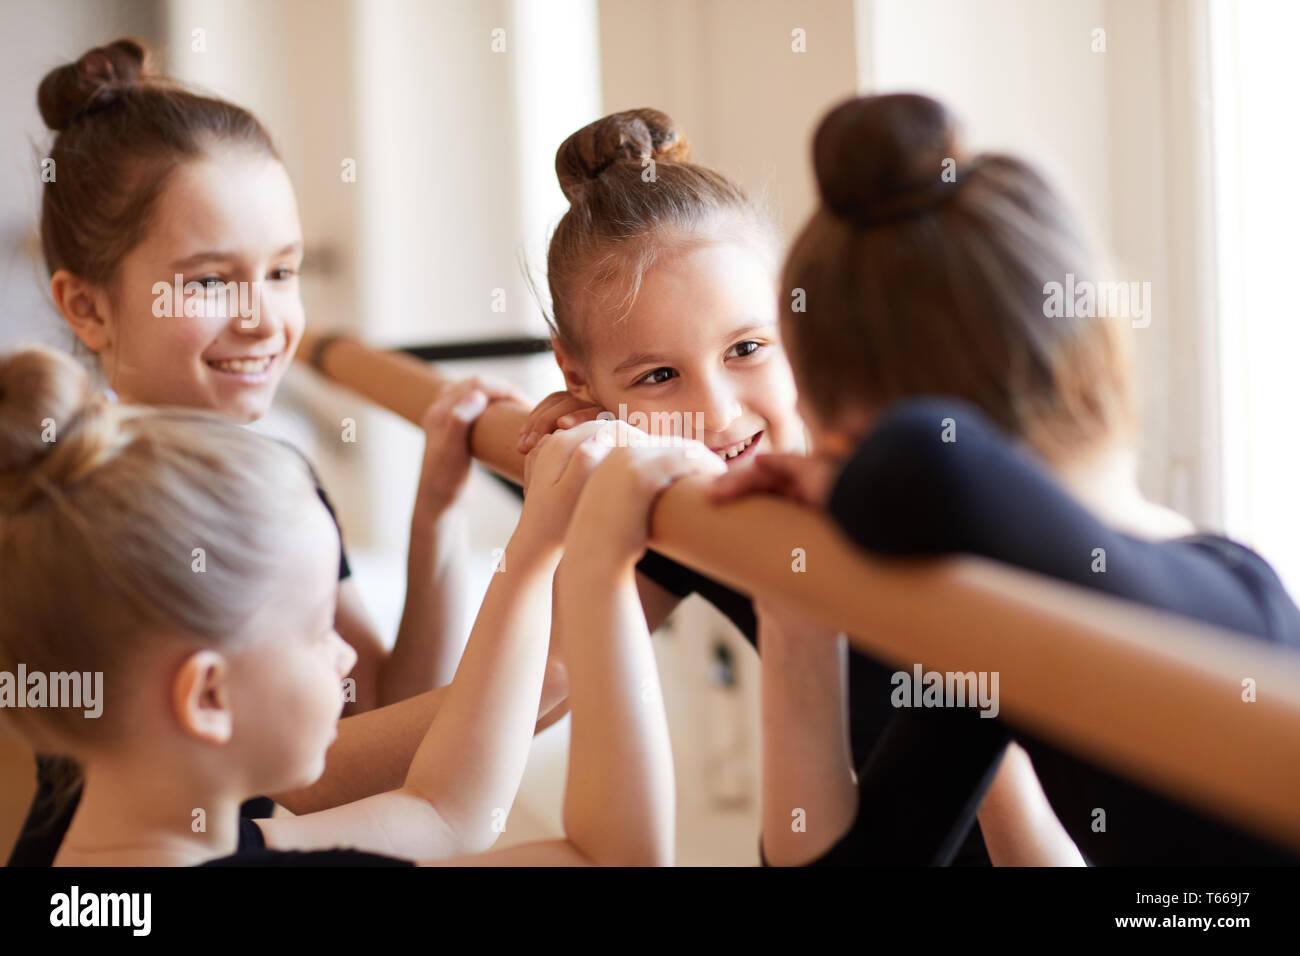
x,y
249,367
741,449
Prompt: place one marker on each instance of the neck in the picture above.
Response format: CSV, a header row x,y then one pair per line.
x,y
135,815
1106,484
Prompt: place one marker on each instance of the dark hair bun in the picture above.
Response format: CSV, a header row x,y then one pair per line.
x,y
630,136
54,427
93,82
881,158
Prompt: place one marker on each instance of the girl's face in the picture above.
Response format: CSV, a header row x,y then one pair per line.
x,y
287,687
228,221
699,355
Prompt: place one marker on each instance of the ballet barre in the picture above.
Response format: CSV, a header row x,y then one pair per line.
x,y
1154,698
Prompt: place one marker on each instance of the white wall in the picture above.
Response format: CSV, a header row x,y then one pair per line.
x,y
1122,134
726,72
40,35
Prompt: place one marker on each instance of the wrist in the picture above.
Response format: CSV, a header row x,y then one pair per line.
x,y
434,515
593,567
530,550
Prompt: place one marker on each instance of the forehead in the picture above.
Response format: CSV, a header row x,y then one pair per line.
x,y
692,299
230,200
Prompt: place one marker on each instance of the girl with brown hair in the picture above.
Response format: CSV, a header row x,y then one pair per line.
x,y
157,188
953,411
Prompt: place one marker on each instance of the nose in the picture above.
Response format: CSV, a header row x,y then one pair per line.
x,y
346,658
718,403
256,317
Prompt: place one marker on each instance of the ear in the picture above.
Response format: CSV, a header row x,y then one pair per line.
x,y
575,375
84,307
201,697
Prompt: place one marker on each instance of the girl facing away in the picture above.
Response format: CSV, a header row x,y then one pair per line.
x,y
950,413
228,683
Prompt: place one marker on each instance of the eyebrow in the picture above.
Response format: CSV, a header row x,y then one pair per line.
x,y
651,358
221,255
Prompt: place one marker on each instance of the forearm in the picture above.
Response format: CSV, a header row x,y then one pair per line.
x,y
432,632
1019,826
619,806
809,791
470,762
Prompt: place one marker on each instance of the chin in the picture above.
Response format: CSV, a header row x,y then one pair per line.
x,y
306,776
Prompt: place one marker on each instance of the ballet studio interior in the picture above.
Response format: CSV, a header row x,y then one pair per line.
x,y
420,138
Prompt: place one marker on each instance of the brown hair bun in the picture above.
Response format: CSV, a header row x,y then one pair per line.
x,y
96,80
630,136
881,158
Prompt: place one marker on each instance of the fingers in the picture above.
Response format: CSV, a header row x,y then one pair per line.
x,y
464,401
766,474
552,454
499,390
548,414
585,414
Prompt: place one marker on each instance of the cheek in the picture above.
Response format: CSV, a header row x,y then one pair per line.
x,y
299,694
772,394
157,358
287,302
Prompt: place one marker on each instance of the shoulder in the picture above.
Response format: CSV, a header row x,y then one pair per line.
x,y
1281,617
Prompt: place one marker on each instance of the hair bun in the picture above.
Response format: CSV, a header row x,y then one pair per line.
x,y
93,82
54,428
880,158
630,136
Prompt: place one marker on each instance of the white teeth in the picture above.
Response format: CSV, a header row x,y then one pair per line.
x,y
244,366
737,449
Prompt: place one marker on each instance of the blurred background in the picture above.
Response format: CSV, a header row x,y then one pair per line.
x,y
1166,123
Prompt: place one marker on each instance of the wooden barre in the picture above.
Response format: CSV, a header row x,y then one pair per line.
x,y
1155,698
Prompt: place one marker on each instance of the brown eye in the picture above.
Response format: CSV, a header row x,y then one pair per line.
x,y
746,348
657,376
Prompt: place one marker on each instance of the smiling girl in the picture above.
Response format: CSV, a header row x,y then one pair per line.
x,y
665,287
155,187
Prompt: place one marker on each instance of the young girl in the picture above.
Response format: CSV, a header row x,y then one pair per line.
x,y
664,285
227,683
919,285
158,188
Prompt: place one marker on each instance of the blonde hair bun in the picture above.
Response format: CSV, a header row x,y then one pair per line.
x,y
54,428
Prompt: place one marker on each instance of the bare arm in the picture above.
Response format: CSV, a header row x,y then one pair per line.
x,y
810,795
619,806
1019,826
657,603
619,801
432,633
